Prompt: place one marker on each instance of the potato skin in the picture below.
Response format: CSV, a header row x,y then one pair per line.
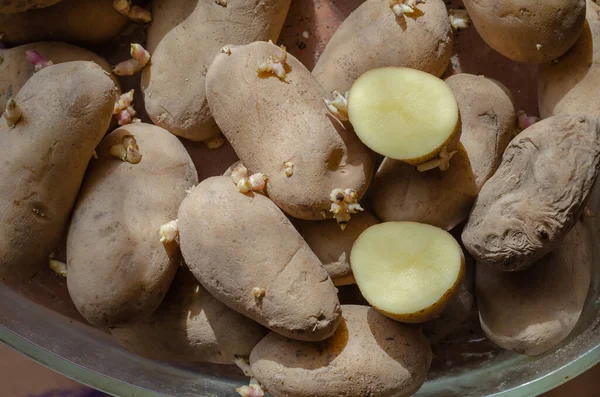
x,y
13,6
190,325
531,312
515,28
535,197
333,245
16,69
234,242
89,21
64,107
119,271
270,122
393,360
373,37
183,39
488,121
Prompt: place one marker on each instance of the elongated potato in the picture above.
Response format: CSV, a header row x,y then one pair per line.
x,y
537,194
373,37
183,39
190,325
66,110
247,254
15,69
531,312
12,6
283,130
369,355
333,245
528,30
114,233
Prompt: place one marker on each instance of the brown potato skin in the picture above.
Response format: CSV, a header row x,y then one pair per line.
x,y
64,107
234,242
119,271
373,37
13,6
16,69
270,122
393,360
537,193
332,245
183,39
74,21
515,28
531,312
190,325
488,120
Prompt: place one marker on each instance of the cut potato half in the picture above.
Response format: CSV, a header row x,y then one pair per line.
x,y
403,113
408,271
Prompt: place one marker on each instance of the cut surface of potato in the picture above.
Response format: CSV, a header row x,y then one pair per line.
x,y
403,113
406,270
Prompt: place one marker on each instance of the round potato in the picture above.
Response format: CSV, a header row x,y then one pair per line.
x,y
12,6
65,111
190,325
369,355
531,312
247,254
118,269
528,30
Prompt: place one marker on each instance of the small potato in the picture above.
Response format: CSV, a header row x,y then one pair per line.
x,y
191,326
184,37
532,311
528,30
64,112
369,355
75,21
537,194
13,6
332,245
118,269
247,254
373,36
283,130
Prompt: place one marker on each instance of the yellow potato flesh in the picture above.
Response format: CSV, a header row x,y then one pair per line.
x,y
403,113
403,268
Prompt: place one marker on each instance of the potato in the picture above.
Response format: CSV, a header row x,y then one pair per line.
x,y
569,86
118,269
76,21
531,312
528,30
183,39
332,245
408,271
16,69
65,109
537,194
190,326
369,355
12,6
283,130
374,37
247,254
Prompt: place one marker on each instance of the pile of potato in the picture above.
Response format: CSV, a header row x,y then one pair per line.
x,y
363,171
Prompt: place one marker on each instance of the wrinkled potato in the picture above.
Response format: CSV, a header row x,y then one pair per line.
x,y
183,39
369,355
333,246
247,254
66,110
537,194
118,269
190,325
76,21
274,125
12,6
16,69
528,30
531,312
374,37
